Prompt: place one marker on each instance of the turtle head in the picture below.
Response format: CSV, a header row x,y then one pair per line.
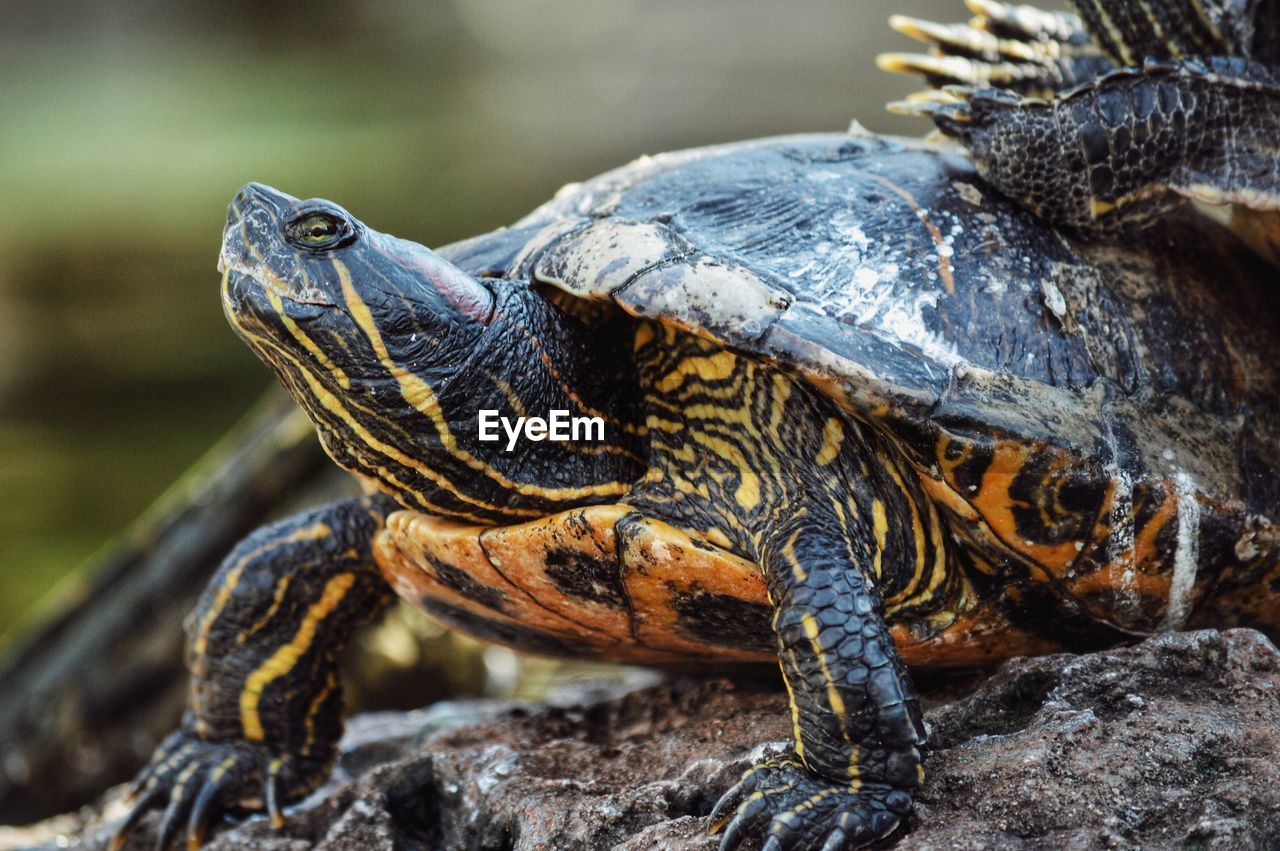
x,y
393,351
288,262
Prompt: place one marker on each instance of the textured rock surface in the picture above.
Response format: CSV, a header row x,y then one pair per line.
x,y
1172,743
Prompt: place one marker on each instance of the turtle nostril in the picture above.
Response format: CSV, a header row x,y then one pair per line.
x,y
246,195
245,199
257,196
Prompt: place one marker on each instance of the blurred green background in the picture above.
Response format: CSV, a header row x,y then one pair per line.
x,y
125,128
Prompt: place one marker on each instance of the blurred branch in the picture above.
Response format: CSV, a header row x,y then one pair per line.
x,y
90,685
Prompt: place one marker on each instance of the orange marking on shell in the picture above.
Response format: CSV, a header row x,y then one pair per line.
x,y
579,547
1146,554
1112,576
663,561
659,561
945,495
413,544
974,529
1141,570
995,505
411,547
977,638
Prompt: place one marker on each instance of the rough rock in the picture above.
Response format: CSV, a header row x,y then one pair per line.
x,y
1172,743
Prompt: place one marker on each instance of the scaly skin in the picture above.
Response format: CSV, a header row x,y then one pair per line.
x,y
1132,146
265,703
806,493
859,731
1176,99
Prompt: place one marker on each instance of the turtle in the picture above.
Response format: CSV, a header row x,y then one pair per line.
x,y
852,417
1106,120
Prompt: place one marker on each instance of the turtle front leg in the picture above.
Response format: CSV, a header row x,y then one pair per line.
x,y
1116,153
858,726
265,709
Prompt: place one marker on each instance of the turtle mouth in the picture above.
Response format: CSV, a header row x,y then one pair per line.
x,y
245,283
243,274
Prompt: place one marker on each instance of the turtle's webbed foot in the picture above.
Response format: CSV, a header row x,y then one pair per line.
x,y
796,809
195,781
1015,47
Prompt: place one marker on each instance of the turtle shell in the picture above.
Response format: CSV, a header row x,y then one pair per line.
x,y
1086,408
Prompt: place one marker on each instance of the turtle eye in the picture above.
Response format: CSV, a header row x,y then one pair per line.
x,y
319,230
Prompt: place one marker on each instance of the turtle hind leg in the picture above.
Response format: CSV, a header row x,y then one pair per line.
x,y
857,724
1019,48
1115,154
265,705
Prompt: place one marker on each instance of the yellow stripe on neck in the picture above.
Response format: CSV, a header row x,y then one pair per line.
x,y
420,396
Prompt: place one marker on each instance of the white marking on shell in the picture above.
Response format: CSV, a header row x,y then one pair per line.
x,y
1186,555
1053,298
595,262
825,176
880,300
903,320
801,271
969,192
1121,537
691,293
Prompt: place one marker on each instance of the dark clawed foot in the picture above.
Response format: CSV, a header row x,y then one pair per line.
x,y
1014,47
195,781
963,111
795,809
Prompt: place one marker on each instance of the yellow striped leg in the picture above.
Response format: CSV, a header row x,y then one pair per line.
x,y
266,705
858,727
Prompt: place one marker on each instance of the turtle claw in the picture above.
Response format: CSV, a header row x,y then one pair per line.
x,y
937,70
963,112
1017,47
141,806
928,103
951,109
797,809
195,781
1027,23
271,794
